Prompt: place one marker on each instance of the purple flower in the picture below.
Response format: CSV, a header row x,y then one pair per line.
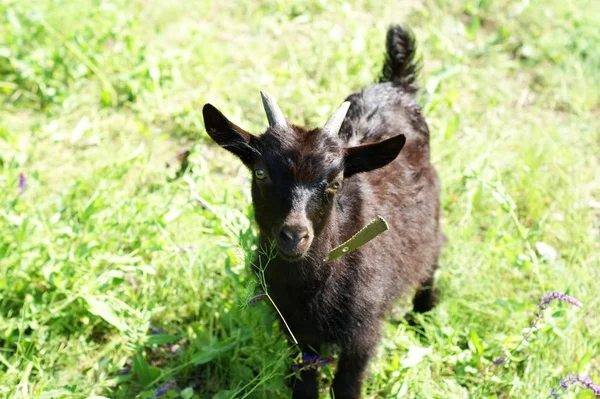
x,y
125,371
154,330
498,360
550,296
563,384
585,382
312,361
164,389
22,182
542,305
257,298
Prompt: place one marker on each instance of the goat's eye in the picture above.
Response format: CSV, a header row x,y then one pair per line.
x,y
260,174
335,185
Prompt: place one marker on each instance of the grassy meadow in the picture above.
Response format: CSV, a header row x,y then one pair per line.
x,y
123,266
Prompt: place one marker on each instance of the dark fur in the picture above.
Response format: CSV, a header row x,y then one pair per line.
x,y
343,301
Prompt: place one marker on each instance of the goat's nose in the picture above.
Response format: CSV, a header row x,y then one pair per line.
x,y
293,235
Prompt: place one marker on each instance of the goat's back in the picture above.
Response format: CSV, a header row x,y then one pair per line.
x,y
405,192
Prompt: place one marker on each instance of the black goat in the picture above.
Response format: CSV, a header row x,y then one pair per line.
x,y
310,195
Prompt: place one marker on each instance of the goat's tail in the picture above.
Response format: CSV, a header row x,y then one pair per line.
x,y
400,66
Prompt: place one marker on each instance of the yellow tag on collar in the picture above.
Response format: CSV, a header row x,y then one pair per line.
x,y
363,236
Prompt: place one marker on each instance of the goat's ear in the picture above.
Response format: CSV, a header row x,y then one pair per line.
x,y
368,157
228,135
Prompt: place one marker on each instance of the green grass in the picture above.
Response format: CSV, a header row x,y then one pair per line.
x,y
104,243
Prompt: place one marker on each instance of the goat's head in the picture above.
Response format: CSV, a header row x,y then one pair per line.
x,y
296,172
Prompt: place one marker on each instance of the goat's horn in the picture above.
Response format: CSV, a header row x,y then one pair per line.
x,y
333,125
274,114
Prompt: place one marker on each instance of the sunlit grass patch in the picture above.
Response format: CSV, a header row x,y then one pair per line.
x,y
108,262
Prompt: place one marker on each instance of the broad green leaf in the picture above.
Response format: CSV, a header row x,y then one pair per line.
x,y
141,369
474,338
104,310
187,393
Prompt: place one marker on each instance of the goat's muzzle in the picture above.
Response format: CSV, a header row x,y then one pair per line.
x,y
293,241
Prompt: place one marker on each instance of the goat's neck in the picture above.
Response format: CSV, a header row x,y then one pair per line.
x,y
329,236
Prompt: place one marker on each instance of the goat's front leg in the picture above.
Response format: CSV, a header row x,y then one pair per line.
x,y
306,384
352,365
